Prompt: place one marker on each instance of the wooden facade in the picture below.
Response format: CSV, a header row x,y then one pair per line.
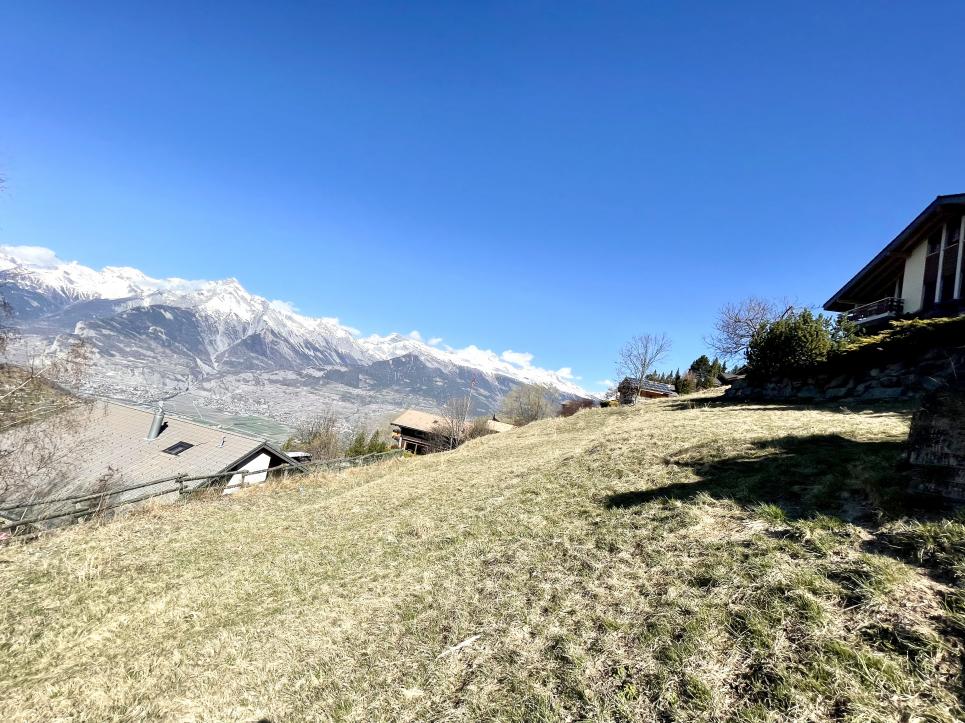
x,y
423,433
417,432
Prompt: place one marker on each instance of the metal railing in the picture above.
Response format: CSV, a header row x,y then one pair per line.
x,y
29,518
890,306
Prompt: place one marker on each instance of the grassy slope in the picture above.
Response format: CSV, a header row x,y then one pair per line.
x,y
658,562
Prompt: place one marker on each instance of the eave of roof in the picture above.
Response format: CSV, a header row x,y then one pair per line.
x,y
895,247
418,420
265,447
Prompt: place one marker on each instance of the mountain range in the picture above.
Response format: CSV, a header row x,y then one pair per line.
x,y
215,345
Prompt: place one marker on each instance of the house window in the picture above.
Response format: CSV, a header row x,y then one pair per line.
x,y
947,290
935,240
176,449
954,231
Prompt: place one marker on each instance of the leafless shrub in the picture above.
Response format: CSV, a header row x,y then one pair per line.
x,y
38,418
452,428
319,435
479,427
530,402
110,480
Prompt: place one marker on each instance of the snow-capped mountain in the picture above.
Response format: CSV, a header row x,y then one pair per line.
x,y
234,349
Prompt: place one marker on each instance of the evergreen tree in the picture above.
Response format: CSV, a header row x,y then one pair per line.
x,y
358,446
702,371
795,343
687,384
376,444
716,369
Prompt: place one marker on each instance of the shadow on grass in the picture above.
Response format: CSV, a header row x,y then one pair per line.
x,y
826,474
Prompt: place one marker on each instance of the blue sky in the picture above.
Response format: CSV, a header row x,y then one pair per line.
x,y
559,176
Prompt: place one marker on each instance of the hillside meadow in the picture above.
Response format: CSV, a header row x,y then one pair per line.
x,y
685,559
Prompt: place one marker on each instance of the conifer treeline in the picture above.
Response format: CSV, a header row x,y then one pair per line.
x,y
702,374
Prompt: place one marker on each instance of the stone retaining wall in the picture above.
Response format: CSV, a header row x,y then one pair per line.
x,y
908,379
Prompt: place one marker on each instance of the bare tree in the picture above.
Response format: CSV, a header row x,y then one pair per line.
x,y
529,402
479,427
39,420
320,436
453,425
639,356
737,322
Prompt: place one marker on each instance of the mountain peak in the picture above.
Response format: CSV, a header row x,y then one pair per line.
x,y
227,314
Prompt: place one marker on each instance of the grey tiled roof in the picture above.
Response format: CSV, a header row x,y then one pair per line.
x,y
107,436
649,385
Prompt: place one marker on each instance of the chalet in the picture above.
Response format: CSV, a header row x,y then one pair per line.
x,y
112,446
918,274
422,432
630,390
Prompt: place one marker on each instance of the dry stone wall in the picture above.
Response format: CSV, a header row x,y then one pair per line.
x,y
911,378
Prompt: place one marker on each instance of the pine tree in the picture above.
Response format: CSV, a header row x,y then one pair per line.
x,y
701,369
376,444
687,384
715,371
358,446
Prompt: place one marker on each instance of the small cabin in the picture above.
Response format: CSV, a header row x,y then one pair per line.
x,y
422,432
630,390
417,432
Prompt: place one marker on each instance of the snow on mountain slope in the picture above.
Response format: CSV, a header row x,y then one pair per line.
x,y
230,327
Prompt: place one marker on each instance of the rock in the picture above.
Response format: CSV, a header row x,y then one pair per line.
x,y
882,393
930,383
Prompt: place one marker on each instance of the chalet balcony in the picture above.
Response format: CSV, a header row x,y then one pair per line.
x,y
888,308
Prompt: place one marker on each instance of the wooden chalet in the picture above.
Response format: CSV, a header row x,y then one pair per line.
x,y
630,390
422,432
417,432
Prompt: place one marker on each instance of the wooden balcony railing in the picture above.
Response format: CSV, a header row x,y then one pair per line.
x,y
876,310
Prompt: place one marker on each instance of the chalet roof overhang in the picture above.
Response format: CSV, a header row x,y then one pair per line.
x,y
890,260
278,455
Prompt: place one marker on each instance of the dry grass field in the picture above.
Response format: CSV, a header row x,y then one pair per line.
x,y
679,560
